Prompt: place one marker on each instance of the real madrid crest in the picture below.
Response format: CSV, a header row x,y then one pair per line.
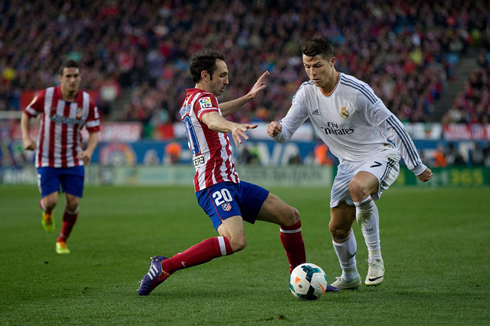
x,y
344,113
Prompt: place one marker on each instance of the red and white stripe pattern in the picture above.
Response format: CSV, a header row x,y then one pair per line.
x,y
286,231
60,141
212,151
222,245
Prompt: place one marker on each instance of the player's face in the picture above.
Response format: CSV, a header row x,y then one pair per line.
x,y
321,71
220,78
70,80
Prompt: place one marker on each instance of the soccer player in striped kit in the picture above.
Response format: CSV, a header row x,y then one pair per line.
x,y
357,127
226,199
60,158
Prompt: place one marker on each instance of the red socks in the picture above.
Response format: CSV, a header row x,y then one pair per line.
x,y
198,254
69,220
292,241
291,238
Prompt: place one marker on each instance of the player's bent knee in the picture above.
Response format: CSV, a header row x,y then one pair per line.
x,y
357,190
338,233
287,216
238,243
50,207
72,203
50,203
293,217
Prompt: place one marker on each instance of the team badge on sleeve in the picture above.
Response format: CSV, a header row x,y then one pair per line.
x,y
226,206
205,103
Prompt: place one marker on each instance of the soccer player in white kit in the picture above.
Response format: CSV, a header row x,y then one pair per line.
x,y
366,138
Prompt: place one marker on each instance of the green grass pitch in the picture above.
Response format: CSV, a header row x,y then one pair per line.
x,y
435,242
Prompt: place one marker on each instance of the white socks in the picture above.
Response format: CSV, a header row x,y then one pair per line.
x,y
346,252
368,218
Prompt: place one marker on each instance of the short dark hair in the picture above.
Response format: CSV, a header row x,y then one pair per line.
x,y
205,60
68,64
318,46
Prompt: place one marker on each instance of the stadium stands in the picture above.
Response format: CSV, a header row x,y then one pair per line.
x,y
406,51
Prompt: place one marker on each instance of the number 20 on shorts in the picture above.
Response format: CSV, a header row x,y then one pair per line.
x,y
222,196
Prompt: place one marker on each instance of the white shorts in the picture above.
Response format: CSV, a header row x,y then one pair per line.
x,y
385,168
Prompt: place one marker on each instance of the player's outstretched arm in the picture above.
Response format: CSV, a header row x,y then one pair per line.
x,y
217,123
28,143
232,106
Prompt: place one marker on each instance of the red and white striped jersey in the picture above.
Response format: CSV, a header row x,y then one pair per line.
x,y
60,141
211,150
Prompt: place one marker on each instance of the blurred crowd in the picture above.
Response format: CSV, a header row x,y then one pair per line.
x,y
472,104
451,155
406,51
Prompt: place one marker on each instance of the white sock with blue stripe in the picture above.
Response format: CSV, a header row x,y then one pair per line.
x,y
368,218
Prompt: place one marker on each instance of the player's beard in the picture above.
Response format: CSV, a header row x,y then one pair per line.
x,y
219,90
72,89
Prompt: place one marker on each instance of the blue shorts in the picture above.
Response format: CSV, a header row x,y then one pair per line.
x,y
227,199
71,180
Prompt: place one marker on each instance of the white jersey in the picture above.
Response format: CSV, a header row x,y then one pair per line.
x,y
352,121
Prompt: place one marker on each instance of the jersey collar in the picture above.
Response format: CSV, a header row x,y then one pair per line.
x,y
334,88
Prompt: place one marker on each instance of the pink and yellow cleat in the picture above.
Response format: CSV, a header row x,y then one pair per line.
x,y
61,248
48,222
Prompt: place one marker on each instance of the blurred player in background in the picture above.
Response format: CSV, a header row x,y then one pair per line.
x,y
60,158
357,127
226,199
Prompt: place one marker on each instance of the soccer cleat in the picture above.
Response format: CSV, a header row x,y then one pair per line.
x,y
154,277
375,273
341,284
48,221
61,248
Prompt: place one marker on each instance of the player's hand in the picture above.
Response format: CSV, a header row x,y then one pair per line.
x,y
274,128
29,144
425,176
258,86
240,132
86,157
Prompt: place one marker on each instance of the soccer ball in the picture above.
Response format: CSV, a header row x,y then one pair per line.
x,y
308,281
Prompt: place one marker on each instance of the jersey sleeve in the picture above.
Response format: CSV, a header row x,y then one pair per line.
x,y
206,103
37,105
378,115
394,130
295,117
93,119
371,106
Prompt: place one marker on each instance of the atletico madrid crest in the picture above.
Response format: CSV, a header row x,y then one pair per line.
x,y
226,206
79,112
